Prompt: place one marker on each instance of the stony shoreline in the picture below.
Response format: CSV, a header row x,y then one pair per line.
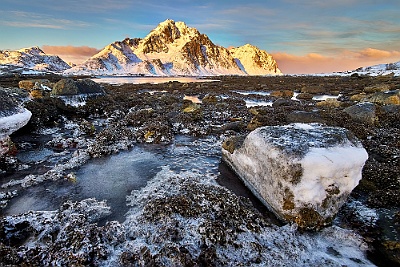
x,y
155,113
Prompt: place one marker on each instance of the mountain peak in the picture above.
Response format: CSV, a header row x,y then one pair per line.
x,y
34,50
167,30
173,48
167,22
254,60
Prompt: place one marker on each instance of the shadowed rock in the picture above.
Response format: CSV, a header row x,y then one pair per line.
x,y
363,112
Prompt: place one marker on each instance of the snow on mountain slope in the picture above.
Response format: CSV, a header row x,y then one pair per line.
x,y
33,58
255,61
172,48
375,70
380,69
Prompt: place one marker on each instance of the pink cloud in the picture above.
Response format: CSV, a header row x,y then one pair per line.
x,y
376,53
343,61
69,53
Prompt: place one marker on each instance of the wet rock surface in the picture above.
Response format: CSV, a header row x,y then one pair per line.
x,y
129,115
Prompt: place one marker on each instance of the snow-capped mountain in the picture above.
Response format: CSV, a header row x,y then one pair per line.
x,y
254,61
173,48
33,58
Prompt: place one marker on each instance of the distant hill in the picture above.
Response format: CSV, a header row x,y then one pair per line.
x,y
380,69
32,58
173,48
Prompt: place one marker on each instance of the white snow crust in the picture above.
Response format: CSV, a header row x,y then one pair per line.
x,y
11,123
322,167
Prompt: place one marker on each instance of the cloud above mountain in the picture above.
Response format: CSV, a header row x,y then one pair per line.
x,y
69,53
345,60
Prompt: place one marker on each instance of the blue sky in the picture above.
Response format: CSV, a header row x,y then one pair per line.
x,y
328,34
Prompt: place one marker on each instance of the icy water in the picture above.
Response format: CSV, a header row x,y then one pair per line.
x,y
153,80
113,178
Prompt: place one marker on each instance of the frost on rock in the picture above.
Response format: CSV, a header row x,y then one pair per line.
x,y
302,172
66,237
184,219
177,219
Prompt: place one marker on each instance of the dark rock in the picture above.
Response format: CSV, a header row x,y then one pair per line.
x,y
87,86
304,117
65,87
283,102
363,112
313,89
8,104
70,87
236,126
391,109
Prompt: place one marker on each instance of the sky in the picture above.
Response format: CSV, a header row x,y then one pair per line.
x,y
309,36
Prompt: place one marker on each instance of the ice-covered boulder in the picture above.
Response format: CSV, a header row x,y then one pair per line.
x,y
12,118
301,172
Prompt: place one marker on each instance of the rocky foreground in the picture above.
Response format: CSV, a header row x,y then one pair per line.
x,y
188,219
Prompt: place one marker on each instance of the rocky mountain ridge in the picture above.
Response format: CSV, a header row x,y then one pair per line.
x,y
33,58
173,48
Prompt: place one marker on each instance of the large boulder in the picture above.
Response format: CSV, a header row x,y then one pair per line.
x,y
301,172
68,87
384,98
87,86
65,87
